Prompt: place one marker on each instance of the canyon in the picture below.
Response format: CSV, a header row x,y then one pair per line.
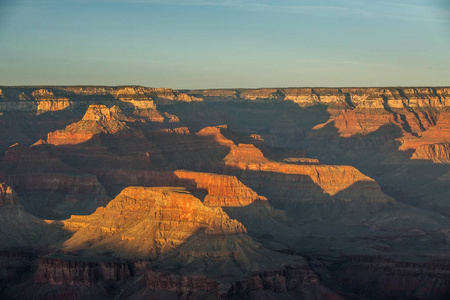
x,y
133,192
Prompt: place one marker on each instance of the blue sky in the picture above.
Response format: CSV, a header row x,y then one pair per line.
x,y
225,43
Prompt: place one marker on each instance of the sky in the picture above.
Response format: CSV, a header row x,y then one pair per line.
x,y
190,44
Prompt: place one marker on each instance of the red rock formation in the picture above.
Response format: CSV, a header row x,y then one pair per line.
x,y
437,134
144,222
222,190
245,153
330,179
191,239
98,119
216,134
438,153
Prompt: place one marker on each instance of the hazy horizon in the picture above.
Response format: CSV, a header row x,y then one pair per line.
x,y
205,44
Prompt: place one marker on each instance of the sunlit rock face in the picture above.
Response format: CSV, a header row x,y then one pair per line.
x,y
221,190
145,222
438,153
97,119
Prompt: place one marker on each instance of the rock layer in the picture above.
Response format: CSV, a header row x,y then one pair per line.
x,y
438,153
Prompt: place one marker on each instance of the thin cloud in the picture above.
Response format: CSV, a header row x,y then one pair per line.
x,y
397,10
394,10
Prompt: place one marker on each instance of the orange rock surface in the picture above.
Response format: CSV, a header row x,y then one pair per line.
x,y
221,190
436,134
98,119
144,222
245,153
216,134
329,179
438,153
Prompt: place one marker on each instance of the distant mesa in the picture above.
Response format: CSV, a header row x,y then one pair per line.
x,y
98,119
245,153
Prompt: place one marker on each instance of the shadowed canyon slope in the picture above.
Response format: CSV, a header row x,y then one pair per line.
x,y
142,193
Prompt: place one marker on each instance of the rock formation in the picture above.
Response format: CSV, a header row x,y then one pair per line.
x,y
145,222
98,119
438,153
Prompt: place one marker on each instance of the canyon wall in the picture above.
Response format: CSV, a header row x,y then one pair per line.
x,y
43,99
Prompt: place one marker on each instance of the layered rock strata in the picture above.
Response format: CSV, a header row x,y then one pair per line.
x,y
145,222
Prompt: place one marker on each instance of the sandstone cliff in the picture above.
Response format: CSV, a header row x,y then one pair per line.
x,y
143,97
346,97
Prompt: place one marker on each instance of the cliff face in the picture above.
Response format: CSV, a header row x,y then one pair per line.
x,y
48,187
78,273
43,99
382,278
346,97
438,153
297,281
57,98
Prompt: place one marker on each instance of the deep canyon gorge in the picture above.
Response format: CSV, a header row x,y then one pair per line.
x,y
132,192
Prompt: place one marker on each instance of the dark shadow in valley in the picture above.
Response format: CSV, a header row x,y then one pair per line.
x,y
377,155
248,117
